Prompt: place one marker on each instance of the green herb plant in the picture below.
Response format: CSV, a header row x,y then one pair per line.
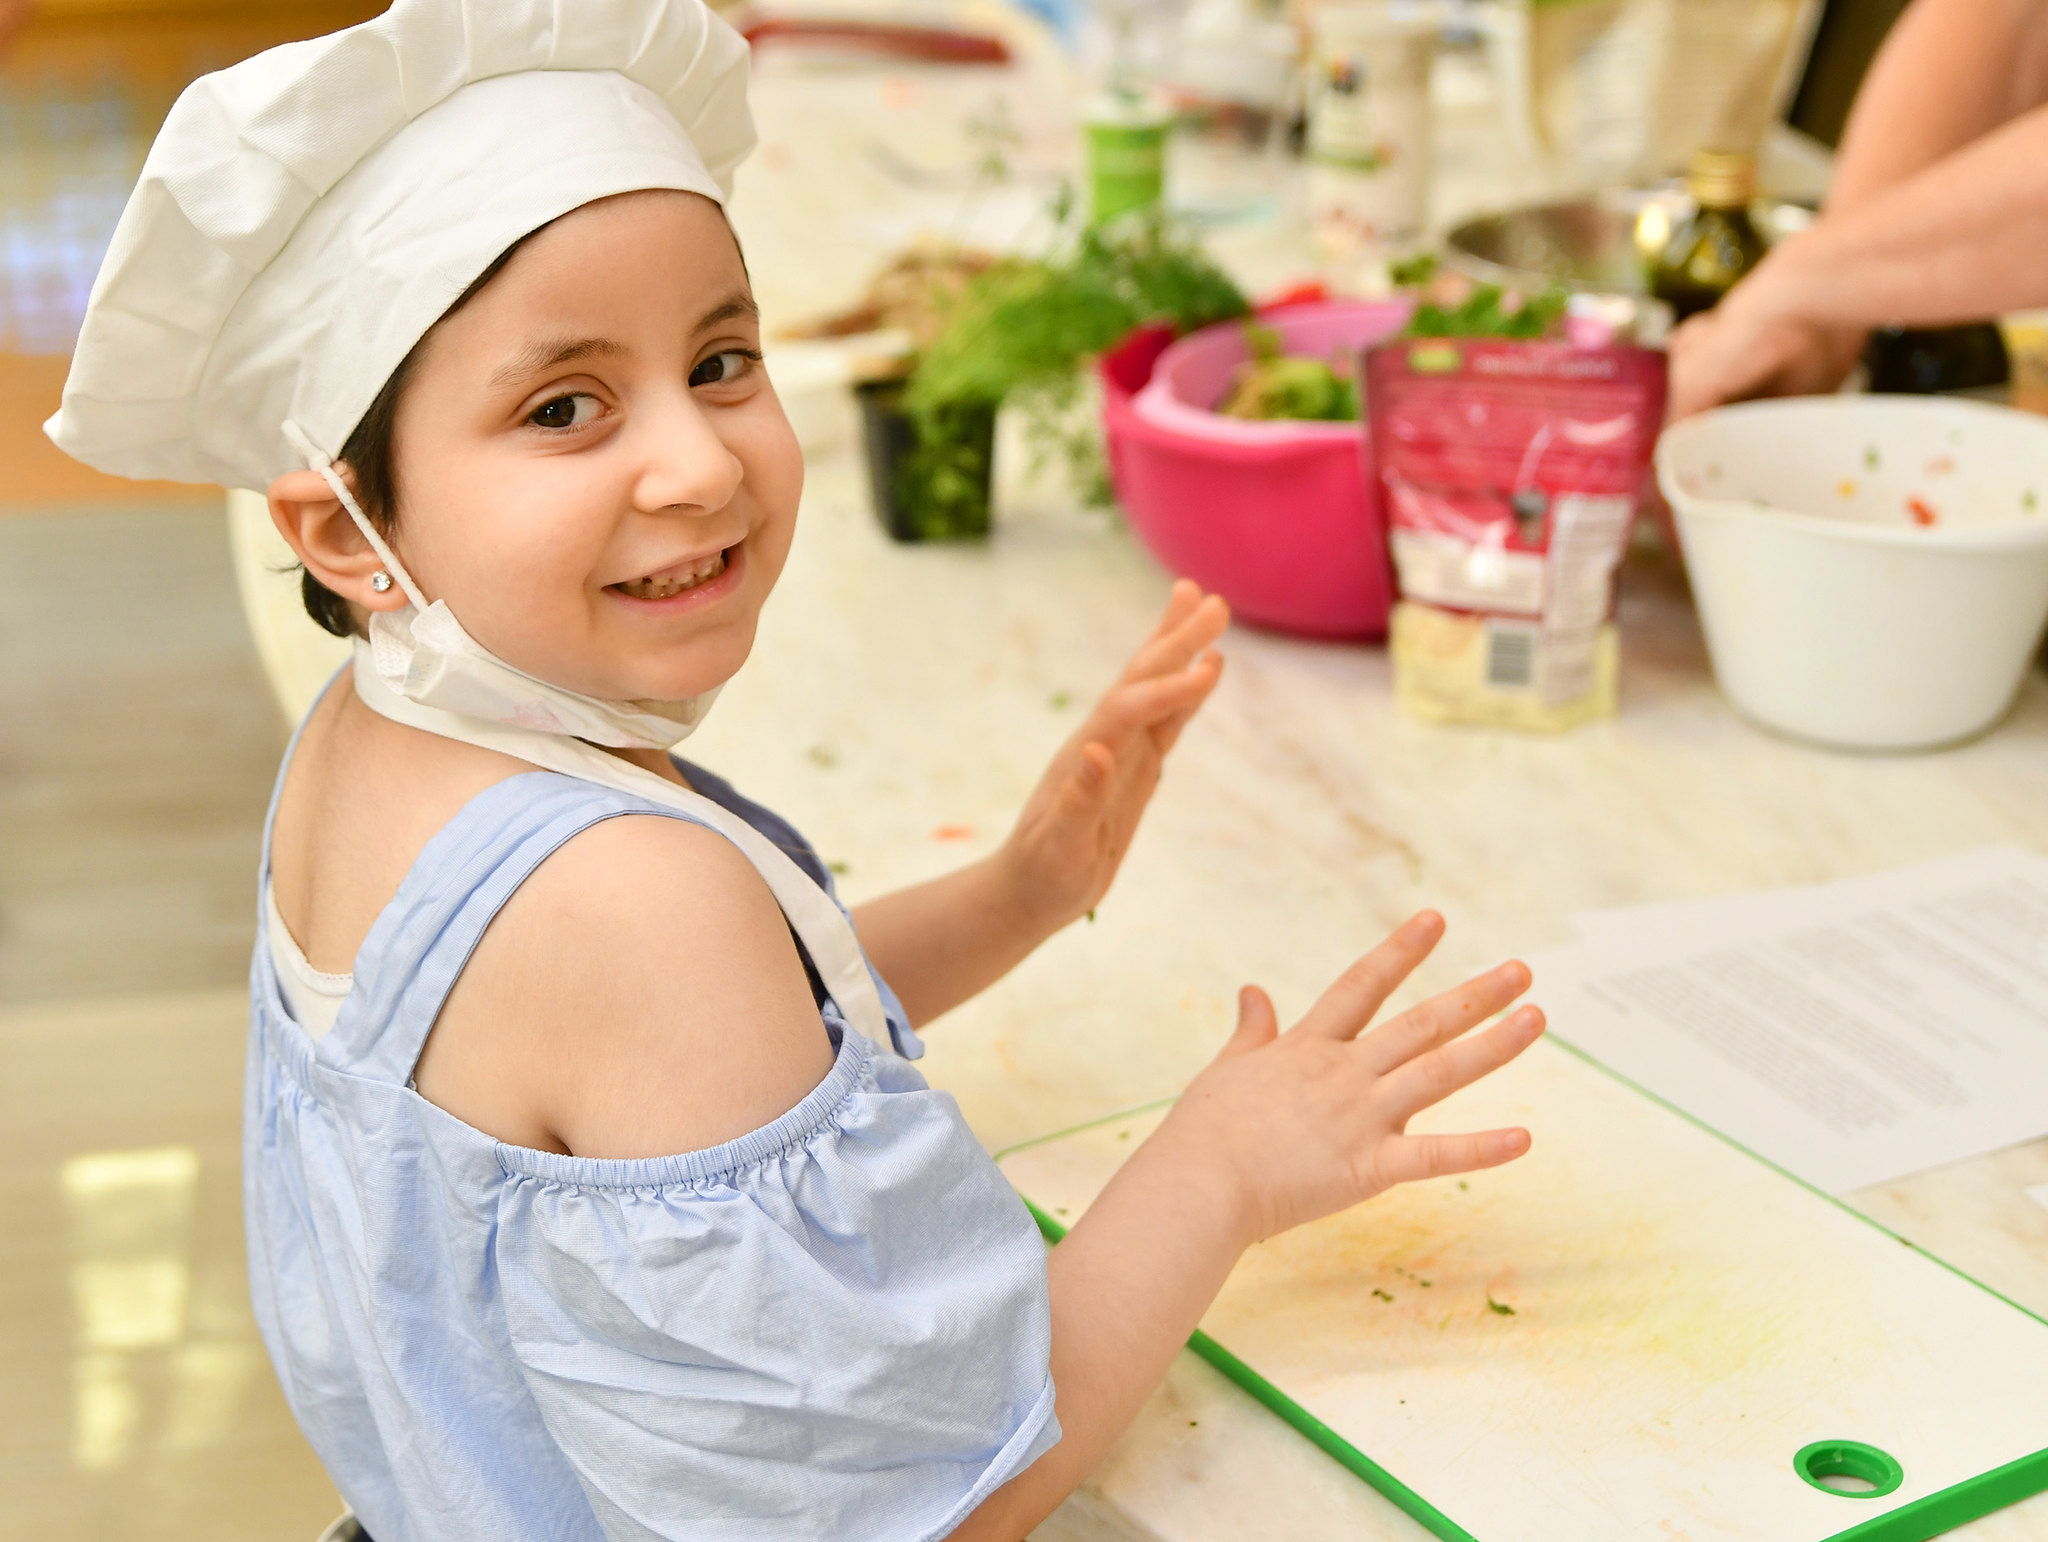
x,y
1022,332
1486,312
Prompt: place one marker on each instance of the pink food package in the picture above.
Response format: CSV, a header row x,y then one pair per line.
x,y
1512,473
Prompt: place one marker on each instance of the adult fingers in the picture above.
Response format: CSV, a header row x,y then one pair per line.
x,y
1348,1005
1407,1158
1441,1072
1442,1018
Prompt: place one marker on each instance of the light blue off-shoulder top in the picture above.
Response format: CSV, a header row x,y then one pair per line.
x,y
836,1326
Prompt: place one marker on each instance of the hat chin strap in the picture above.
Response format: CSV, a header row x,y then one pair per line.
x,y
428,657
319,460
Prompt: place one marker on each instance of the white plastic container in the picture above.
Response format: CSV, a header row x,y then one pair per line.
x,y
1871,571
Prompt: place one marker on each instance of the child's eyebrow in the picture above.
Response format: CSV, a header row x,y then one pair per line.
x,y
536,357
739,304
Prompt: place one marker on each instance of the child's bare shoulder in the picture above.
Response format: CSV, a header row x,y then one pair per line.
x,y
639,995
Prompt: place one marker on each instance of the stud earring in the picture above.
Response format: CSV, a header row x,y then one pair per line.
x,y
381,582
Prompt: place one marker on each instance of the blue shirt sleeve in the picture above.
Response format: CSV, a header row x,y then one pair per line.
x,y
837,1326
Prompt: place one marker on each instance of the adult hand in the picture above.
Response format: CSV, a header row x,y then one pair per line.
x,y
1754,343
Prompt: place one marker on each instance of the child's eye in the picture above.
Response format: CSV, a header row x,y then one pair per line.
x,y
724,368
571,411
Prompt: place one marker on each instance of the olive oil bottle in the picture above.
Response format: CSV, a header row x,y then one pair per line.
x,y
1718,244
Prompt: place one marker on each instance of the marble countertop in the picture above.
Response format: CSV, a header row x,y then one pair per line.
x,y
902,696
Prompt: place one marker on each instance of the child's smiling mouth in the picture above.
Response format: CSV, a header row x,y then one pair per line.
x,y
679,578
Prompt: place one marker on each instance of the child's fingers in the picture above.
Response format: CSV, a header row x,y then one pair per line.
x,y
1083,794
1408,1158
1166,732
1441,1072
1442,1018
1142,703
1185,595
1167,654
1348,1005
1257,1024
1172,647
1184,602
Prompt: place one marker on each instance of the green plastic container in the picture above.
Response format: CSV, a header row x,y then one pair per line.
x,y
1126,156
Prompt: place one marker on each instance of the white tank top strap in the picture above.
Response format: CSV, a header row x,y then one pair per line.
x,y
313,995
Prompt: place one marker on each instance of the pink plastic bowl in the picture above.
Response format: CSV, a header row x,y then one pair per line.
x,y
1281,519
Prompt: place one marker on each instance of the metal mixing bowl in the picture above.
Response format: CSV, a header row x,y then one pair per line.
x,y
1593,245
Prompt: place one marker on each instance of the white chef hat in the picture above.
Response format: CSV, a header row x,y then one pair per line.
x,y
306,215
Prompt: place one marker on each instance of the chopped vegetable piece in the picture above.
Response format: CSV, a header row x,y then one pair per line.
x,y
1922,512
1870,457
1501,1308
1412,272
1304,293
1846,488
1381,1294
1274,385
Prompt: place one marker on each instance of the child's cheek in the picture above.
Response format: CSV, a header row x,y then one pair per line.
x,y
779,451
773,462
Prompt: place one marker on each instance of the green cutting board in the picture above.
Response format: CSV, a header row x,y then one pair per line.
x,y
1639,1331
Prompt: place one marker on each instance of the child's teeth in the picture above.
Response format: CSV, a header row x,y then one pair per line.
x,y
662,588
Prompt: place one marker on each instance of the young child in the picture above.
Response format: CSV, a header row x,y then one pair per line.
x,y
590,1189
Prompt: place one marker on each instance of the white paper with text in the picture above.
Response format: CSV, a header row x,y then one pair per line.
x,y
1850,1032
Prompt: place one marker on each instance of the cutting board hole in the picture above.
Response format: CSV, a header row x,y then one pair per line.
x,y
1849,1468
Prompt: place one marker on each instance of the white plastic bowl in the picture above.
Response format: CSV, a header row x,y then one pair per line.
x,y
1832,613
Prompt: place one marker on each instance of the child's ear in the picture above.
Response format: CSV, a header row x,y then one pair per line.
x,y
319,529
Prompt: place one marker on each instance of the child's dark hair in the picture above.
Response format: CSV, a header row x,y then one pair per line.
x,y
371,455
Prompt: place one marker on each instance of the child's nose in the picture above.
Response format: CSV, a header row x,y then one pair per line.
x,y
684,461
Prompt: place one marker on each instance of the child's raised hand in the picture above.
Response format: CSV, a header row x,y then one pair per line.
x,y
1079,821
1298,1125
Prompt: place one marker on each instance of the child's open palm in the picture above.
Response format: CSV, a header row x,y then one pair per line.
x,y
1079,821
1315,1120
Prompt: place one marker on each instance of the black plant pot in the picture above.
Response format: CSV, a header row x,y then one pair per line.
x,y
928,487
